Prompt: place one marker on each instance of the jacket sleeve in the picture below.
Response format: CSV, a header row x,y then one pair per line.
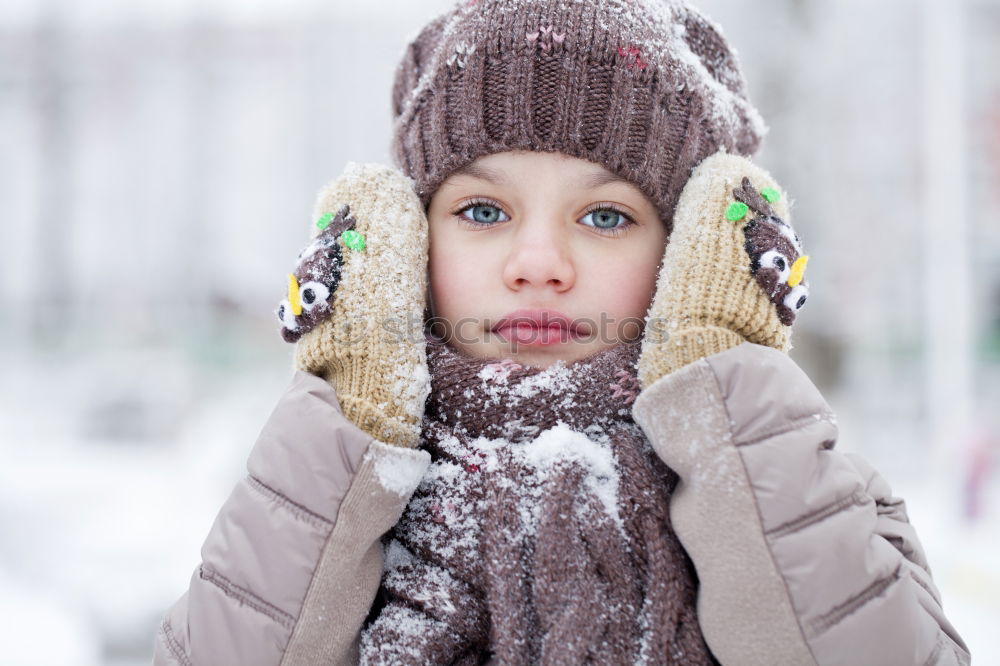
x,y
802,553
292,563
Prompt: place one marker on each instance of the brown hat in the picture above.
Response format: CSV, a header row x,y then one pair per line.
x,y
646,88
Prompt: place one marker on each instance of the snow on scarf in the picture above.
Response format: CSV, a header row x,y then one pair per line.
x,y
540,532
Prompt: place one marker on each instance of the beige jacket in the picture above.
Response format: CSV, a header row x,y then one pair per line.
x,y
803,555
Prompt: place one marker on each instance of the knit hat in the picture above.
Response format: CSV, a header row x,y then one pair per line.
x,y
646,88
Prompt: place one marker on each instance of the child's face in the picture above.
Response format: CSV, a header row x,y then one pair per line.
x,y
531,237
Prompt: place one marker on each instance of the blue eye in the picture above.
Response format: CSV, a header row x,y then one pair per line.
x,y
605,218
483,213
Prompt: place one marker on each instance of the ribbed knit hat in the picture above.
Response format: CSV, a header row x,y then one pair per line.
x,y
646,88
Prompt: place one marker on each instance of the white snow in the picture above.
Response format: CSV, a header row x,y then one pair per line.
x,y
398,556
417,626
398,469
562,444
542,457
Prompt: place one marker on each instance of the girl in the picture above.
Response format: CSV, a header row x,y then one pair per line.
x,y
600,451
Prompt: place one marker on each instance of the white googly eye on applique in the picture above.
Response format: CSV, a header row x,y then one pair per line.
x,y
313,293
796,298
285,315
777,261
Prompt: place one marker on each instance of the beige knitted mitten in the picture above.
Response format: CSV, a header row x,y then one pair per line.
x,y
356,301
732,270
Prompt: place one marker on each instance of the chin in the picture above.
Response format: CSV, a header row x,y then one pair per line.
x,y
544,357
529,356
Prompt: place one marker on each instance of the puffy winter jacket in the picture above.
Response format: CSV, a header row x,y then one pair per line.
x,y
802,553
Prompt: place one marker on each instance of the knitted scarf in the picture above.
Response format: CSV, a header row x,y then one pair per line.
x,y
540,532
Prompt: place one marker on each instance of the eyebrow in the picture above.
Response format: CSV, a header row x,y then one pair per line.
x,y
497,178
482,173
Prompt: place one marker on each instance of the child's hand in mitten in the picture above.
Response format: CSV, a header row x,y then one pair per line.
x,y
356,301
732,269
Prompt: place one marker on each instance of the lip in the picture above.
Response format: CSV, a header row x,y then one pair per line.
x,y
536,327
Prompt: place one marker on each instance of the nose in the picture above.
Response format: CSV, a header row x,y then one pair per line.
x,y
540,257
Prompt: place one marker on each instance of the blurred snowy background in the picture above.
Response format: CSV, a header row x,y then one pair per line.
x,y
158,164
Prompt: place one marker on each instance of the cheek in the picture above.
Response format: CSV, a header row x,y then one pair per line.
x,y
453,281
629,285
442,277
